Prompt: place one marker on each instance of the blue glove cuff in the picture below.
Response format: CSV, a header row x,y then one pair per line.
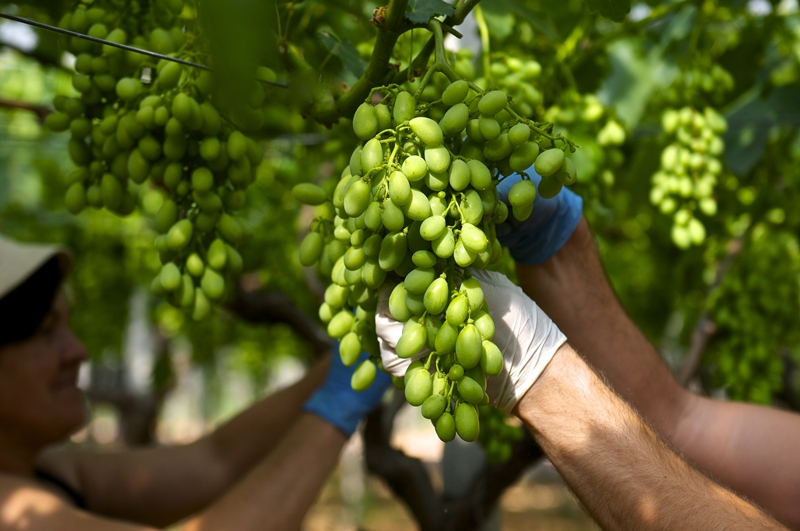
x,y
323,405
338,403
552,222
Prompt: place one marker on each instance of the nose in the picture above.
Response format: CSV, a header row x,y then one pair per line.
x,y
73,351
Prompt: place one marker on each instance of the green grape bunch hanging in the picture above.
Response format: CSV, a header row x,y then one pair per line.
x,y
754,311
125,132
416,209
689,171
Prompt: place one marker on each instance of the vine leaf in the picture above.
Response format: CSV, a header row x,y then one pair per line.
x,y
616,10
421,11
344,50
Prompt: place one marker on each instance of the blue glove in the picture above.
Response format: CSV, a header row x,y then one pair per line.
x,y
336,402
548,228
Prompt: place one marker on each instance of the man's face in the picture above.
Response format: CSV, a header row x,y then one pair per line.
x,y
39,398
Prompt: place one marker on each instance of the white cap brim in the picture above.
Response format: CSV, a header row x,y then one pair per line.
x,y
18,261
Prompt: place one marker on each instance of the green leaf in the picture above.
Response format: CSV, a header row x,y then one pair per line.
x,y
616,10
749,120
499,21
344,50
537,20
421,11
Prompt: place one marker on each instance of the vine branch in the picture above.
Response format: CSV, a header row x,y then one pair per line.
x,y
393,25
705,328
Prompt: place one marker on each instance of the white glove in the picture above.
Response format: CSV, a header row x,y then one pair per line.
x,y
525,335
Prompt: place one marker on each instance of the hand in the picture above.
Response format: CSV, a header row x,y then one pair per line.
x,y
552,222
525,335
336,401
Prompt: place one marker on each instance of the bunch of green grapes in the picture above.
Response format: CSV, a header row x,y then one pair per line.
x,y
582,116
754,310
706,78
690,167
517,78
590,123
125,131
416,208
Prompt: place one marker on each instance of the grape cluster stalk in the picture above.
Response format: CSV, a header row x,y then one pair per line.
x,y
169,130
411,214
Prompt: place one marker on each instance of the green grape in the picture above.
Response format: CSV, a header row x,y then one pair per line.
x,y
213,284
519,135
365,122
371,155
415,168
433,227
455,93
217,255
548,162
397,304
492,103
404,107
427,130
522,193
433,407
169,76
57,122
474,240
350,349
166,216
412,341
310,249
466,422
468,346
524,156
357,198
549,187
456,373
170,277
469,390
75,198
418,280
444,245
419,387
202,306
454,120
363,376
419,208
437,159
128,88
446,427
489,128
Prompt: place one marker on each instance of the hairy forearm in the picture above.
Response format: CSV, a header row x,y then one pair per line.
x,y
277,494
753,450
246,438
573,290
625,476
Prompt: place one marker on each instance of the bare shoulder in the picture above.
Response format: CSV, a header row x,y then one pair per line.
x,y
27,505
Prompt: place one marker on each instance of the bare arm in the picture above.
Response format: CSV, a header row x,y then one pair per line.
x,y
275,495
753,450
159,486
626,477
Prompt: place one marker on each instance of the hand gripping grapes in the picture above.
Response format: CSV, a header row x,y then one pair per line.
x,y
525,336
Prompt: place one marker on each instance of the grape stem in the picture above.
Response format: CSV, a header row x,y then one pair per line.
x,y
483,29
441,65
